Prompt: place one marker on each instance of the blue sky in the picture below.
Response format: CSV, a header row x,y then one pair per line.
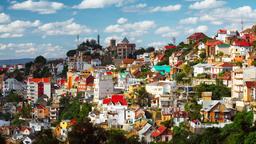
x,y
49,27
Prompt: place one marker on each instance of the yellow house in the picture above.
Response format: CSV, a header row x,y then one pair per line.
x,y
249,91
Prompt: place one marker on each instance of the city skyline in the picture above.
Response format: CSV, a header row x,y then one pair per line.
x,y
49,28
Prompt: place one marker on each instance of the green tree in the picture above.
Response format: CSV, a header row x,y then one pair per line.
x,y
13,97
254,63
2,139
179,77
168,123
116,137
84,112
40,60
85,133
218,91
251,138
71,53
45,137
150,49
142,97
193,109
202,55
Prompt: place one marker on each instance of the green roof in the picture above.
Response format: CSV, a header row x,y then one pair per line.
x,y
224,46
162,69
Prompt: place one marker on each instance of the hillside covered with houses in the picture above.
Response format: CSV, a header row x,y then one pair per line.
x,y
201,90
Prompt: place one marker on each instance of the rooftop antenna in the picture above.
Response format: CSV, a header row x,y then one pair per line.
x,y
174,40
242,24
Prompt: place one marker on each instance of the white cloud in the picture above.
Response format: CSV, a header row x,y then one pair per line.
x,y
157,44
68,27
131,29
201,28
107,39
122,20
168,8
16,28
135,8
41,7
142,7
4,18
229,16
25,50
189,20
207,4
167,32
88,4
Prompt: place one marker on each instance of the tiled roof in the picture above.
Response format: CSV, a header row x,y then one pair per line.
x,y
226,64
213,43
197,36
38,80
241,43
158,131
222,31
170,47
128,61
251,84
115,99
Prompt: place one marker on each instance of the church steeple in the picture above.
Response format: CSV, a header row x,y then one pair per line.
x,y
125,40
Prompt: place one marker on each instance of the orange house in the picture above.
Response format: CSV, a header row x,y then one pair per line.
x,y
41,112
239,58
215,111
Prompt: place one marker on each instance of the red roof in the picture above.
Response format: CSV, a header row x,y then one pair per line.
x,y
241,43
77,79
25,128
40,107
117,98
197,36
38,80
251,84
170,47
61,81
128,61
160,56
226,64
213,43
73,122
158,132
222,31
178,63
109,73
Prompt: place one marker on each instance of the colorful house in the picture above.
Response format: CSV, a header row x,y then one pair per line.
x,y
162,134
162,69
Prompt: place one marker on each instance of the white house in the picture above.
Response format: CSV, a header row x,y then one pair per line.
x,y
239,51
224,48
12,84
202,68
96,62
221,68
161,87
125,79
103,85
145,57
223,34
